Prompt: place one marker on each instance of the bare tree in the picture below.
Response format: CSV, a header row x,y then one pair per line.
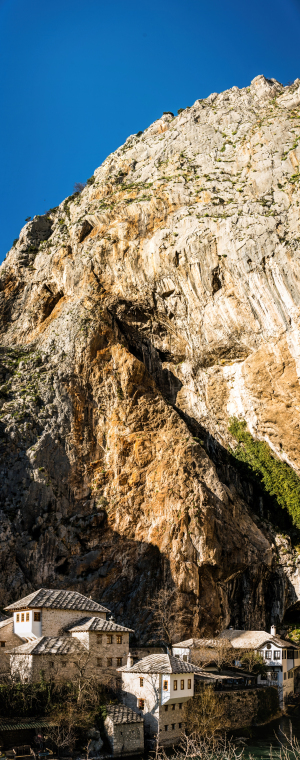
x,y
79,187
204,713
219,653
167,615
204,748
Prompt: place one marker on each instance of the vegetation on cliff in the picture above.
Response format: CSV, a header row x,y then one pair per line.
x,y
277,478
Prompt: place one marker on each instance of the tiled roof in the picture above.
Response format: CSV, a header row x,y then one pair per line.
x,y
6,622
122,714
50,645
198,643
253,639
57,599
97,624
161,663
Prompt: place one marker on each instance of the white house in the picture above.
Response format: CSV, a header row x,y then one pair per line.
x,y
158,687
281,657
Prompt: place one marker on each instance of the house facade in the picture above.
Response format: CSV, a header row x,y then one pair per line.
x,y
158,687
59,634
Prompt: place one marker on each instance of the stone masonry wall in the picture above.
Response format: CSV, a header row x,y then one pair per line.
x,y
171,723
125,737
10,640
243,708
54,620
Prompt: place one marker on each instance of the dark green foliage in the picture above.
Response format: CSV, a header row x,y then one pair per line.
x,y
138,134
276,477
180,110
168,113
91,180
16,240
36,700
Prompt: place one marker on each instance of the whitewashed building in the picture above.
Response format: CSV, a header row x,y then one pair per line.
x,y
158,687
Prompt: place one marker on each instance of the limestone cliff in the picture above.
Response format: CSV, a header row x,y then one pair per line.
x,y
136,318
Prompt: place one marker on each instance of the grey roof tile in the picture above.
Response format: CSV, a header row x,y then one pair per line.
x,y
51,645
6,622
161,663
253,639
121,714
57,599
97,624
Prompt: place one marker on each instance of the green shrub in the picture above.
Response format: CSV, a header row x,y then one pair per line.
x,y
138,134
277,478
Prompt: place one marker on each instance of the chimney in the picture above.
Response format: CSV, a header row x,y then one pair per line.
x,y
273,630
129,660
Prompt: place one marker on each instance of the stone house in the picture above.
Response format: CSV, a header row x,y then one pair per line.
x,y
68,642
124,730
157,687
8,639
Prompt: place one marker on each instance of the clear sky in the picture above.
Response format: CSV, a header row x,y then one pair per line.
x,y
79,76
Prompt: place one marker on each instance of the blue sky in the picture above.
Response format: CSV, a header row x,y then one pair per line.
x,y
79,76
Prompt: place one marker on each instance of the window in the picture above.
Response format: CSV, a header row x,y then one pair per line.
x,y
119,662
180,705
119,639
182,684
165,685
284,654
179,725
277,654
274,676
99,639
173,707
37,616
63,664
51,664
166,708
141,704
141,682
166,728
17,618
175,685
2,644
99,662
284,676
173,726
27,617
296,654
185,658
189,683
22,617
109,662
268,655
109,639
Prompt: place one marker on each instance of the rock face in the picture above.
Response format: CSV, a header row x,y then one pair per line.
x,y
135,319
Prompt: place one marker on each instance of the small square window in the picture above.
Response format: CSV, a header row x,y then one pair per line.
x,y
141,682
27,617
165,685
189,683
51,664
2,643
166,728
277,653
119,662
180,705
166,708
99,662
175,685
37,616
173,707
22,617
173,726
141,704
109,639
99,639
17,618
119,639
268,655
184,658
182,684
109,662
179,725
284,676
